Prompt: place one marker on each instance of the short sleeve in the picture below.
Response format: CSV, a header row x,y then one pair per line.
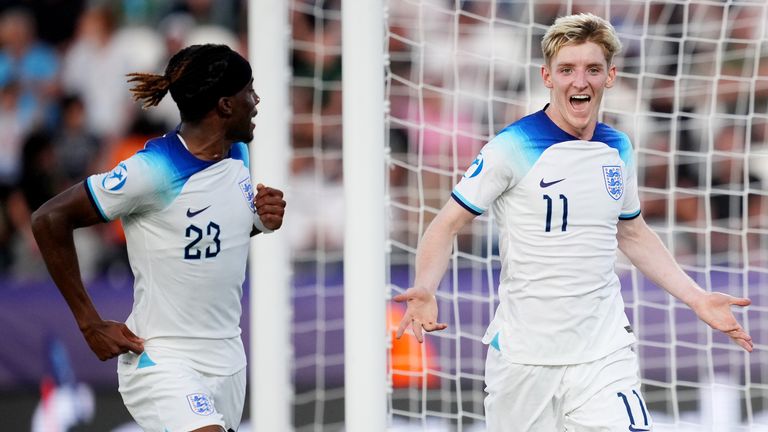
x,y
490,174
131,187
630,208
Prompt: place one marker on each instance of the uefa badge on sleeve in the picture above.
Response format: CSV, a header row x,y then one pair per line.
x,y
614,181
115,179
475,167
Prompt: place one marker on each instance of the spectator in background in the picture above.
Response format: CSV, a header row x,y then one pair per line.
x,y
15,124
76,148
96,63
220,13
37,184
56,19
93,68
31,65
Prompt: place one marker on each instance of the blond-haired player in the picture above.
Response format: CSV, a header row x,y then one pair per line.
x,y
563,187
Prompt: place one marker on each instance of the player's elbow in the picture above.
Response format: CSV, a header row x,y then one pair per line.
x,y
43,219
39,220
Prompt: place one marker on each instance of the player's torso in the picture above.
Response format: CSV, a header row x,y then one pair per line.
x,y
188,245
207,222
573,193
557,236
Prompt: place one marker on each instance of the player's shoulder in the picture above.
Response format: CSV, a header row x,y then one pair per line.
x,y
239,151
534,132
168,155
612,137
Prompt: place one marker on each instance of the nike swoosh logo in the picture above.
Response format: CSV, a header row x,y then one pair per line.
x,y
191,213
544,184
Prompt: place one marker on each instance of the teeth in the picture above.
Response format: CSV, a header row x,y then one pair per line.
x,y
580,97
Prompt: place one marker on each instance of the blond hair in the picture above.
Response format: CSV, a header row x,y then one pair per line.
x,y
578,29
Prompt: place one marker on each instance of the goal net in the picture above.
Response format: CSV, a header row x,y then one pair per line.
x,y
692,94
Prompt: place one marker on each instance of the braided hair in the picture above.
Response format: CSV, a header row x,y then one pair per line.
x,y
197,76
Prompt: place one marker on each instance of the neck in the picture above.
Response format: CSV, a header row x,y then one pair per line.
x,y
205,142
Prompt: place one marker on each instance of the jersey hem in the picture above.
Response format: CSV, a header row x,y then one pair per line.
x,y
524,360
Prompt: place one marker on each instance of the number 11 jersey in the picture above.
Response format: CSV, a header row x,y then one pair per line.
x,y
556,200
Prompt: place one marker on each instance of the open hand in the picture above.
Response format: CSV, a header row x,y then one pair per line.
x,y
109,339
715,309
421,312
270,206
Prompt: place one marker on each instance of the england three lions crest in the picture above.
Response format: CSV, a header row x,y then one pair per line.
x,y
614,181
200,404
247,188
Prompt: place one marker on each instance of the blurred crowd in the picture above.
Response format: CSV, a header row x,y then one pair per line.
x,y
65,109
692,94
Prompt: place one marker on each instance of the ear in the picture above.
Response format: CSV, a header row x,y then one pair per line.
x,y
546,75
224,107
611,76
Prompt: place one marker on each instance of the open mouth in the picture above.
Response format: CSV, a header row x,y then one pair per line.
x,y
580,101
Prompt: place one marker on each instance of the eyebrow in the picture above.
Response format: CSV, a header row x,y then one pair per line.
x,y
600,65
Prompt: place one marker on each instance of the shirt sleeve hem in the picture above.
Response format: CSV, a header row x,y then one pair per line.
x,y
464,203
93,200
629,216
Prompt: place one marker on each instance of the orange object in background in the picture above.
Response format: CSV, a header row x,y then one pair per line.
x,y
409,359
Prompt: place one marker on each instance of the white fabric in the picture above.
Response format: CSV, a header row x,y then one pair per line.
x,y
171,396
187,224
557,201
599,396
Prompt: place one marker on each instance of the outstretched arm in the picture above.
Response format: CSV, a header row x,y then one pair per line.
x,y
646,251
431,261
53,224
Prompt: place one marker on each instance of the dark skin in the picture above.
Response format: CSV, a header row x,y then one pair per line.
x,y
54,222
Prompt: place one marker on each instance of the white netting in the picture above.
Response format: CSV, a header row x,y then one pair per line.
x,y
692,94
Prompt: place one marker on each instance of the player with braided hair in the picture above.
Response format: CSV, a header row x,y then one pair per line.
x,y
188,208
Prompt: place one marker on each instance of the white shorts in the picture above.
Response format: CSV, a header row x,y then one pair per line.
x,y
603,395
170,396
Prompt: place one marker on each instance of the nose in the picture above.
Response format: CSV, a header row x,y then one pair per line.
x,y
258,99
580,79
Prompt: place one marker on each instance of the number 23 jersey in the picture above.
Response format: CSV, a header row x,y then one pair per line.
x,y
187,224
557,201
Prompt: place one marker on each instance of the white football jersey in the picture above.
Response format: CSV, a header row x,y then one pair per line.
x,y
187,224
557,200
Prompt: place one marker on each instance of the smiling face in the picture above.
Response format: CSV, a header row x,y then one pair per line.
x,y
577,76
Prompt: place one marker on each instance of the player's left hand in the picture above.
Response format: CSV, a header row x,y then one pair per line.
x,y
420,313
715,309
270,206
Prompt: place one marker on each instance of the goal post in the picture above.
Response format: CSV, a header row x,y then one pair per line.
x,y
364,265
270,272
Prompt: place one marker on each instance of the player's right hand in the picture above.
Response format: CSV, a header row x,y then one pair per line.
x,y
109,339
420,314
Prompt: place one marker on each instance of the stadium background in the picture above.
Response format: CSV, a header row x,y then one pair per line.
x,y
692,94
